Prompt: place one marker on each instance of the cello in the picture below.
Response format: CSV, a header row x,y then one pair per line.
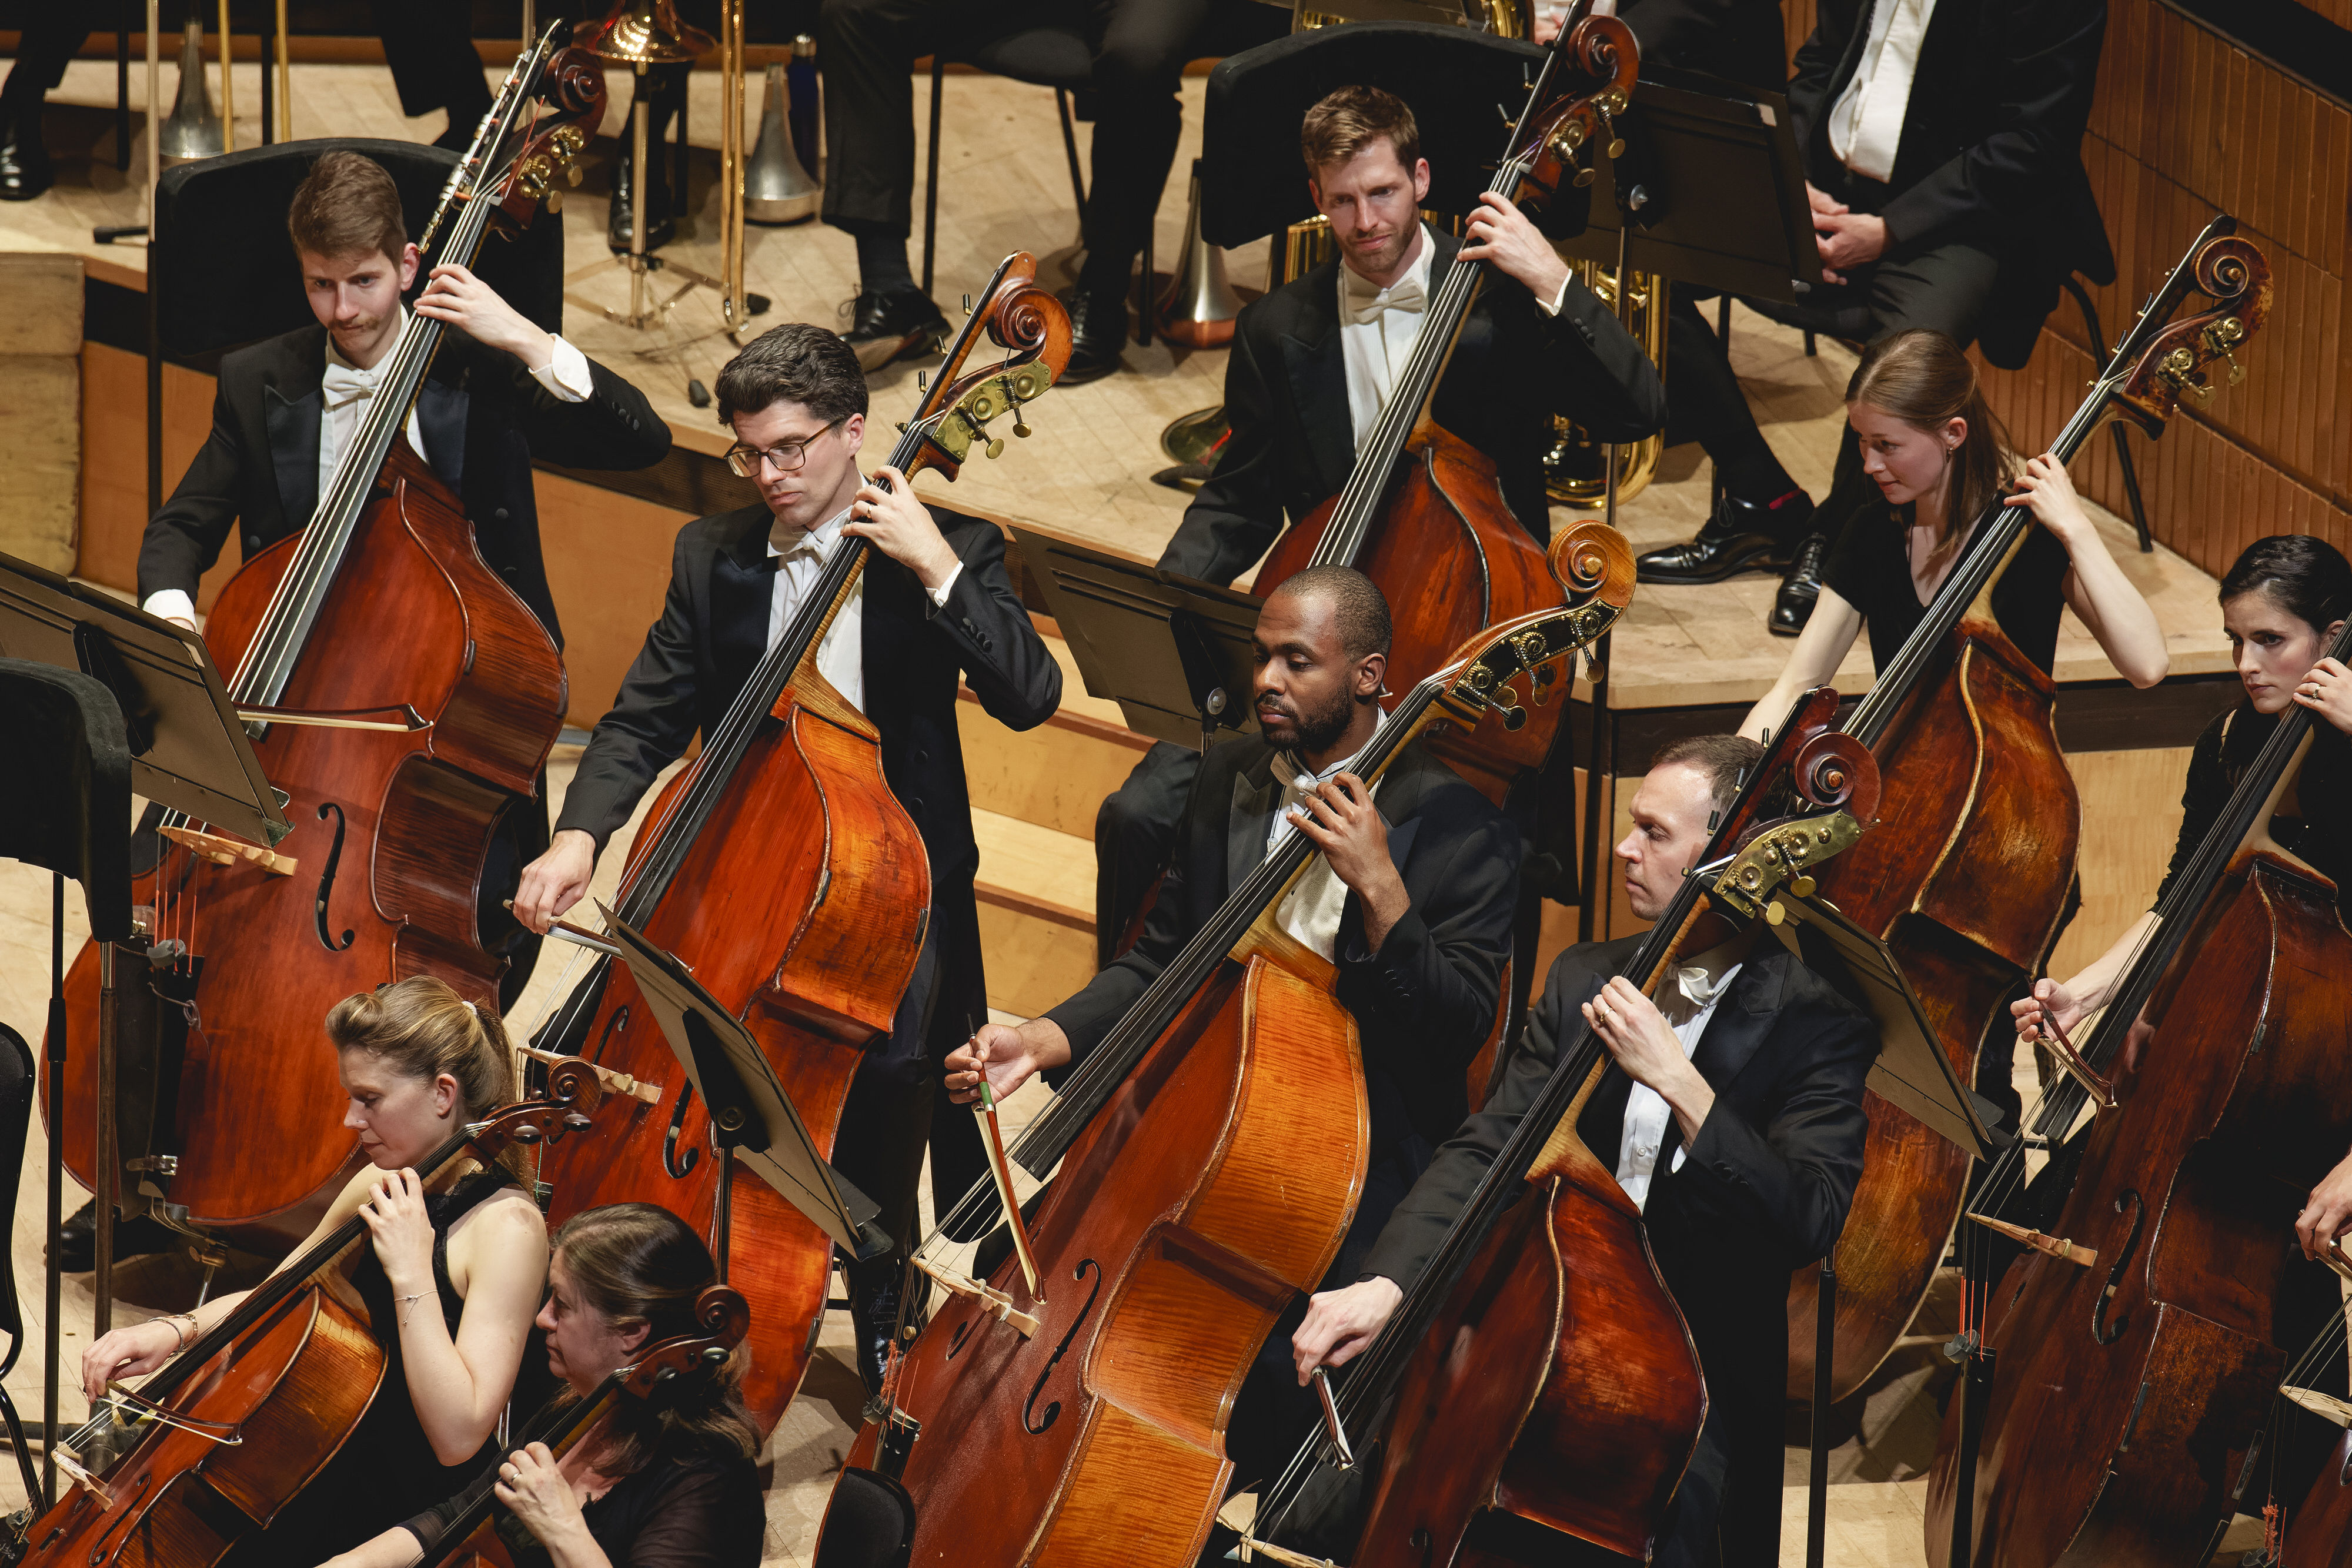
x,y
1423,513
398,758
226,1434
2132,1355
478,1537
779,867
1071,1408
1969,894
1540,1366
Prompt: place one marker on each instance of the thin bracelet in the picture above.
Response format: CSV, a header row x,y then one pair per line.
x,y
189,1338
408,1303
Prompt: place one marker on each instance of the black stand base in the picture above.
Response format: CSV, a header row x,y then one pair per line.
x,y
1817,1492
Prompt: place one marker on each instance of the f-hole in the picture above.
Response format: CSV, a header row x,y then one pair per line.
x,y
327,882
1076,1324
679,1167
2102,1332
615,1025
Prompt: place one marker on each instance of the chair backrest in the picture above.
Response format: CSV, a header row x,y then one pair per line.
x,y
65,795
225,268
1252,182
16,1115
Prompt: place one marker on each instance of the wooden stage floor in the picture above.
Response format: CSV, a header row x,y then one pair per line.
x,y
1086,473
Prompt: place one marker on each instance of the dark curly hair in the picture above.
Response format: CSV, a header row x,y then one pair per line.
x,y
793,363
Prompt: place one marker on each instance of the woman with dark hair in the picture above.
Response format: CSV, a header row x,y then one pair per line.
x,y
1930,442
449,1279
2282,603
672,1484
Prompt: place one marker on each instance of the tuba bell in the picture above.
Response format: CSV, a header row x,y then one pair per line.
x,y
777,186
193,130
1576,468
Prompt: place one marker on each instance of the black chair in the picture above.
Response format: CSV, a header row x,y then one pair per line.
x,y
16,1118
225,270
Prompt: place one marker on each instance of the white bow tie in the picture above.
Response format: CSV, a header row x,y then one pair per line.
x,y
1366,302
1697,986
344,385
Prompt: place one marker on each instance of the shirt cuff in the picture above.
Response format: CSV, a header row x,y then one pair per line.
x,y
170,604
1550,307
939,594
566,374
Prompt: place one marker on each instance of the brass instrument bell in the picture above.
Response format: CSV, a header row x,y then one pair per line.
x,y
646,33
194,131
777,186
1200,304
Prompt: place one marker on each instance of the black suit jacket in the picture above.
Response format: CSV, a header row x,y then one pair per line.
x,y
1991,148
1425,1003
712,634
482,418
1293,441
1764,1189
1741,41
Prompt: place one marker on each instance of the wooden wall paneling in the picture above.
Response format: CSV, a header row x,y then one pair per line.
x,y
2131,816
114,462
40,407
608,558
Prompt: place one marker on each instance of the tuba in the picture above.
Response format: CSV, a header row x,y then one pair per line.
x,y
1576,469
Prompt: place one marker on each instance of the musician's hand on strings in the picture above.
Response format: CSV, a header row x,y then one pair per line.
x,y
1009,1056
2329,1211
2049,999
455,296
537,1492
1500,233
133,1351
556,881
1637,1034
395,1216
902,529
2327,692
1340,820
1340,1323
2044,489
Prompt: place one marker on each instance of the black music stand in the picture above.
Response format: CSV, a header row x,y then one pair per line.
x,y
1173,652
750,1115
188,752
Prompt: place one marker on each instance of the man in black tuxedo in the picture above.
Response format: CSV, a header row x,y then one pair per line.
x,y
1733,1118
1411,899
934,606
1312,365
1942,158
501,391
1136,51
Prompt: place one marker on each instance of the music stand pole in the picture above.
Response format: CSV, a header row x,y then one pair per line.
x,y
51,1327
109,1021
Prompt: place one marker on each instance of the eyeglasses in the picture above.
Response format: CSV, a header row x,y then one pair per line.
x,y
786,455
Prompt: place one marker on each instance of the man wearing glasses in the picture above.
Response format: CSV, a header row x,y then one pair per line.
x,y
933,606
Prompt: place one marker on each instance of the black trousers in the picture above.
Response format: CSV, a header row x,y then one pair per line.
x,y
1140,47
53,36
1944,286
429,44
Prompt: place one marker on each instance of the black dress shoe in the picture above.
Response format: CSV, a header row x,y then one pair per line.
x,y
893,325
1097,336
77,1239
1801,589
661,223
24,168
1741,536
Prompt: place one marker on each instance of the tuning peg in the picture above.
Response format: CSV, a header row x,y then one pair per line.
x,y
967,303
1613,145
902,427
996,446
1505,115
922,381
1019,426
572,173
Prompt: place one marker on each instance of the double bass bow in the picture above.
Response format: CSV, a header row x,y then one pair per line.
x,y
403,700
1071,1407
221,1438
780,868
2131,1359
1969,893
1423,513
1540,1364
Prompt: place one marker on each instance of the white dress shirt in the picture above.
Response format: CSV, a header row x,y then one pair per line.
x,y
346,391
800,555
1378,328
1866,121
1311,909
1688,1000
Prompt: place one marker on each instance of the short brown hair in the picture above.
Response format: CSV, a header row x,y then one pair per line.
x,y
1724,760
347,203
422,1028
795,362
1348,121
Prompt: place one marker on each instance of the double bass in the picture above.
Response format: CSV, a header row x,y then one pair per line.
x,y
1423,513
1540,1366
2132,1350
1071,1407
780,870
1969,894
403,701
226,1434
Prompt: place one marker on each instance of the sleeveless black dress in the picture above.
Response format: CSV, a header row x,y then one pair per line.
x,y
386,1471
